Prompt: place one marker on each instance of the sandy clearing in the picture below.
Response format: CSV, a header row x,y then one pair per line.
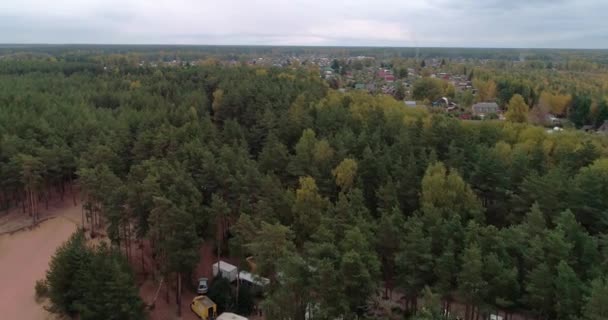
x,y
24,258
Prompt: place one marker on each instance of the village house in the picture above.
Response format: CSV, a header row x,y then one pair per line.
x,y
386,75
484,108
446,104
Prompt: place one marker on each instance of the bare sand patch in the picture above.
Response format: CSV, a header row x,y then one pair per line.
x,y
24,258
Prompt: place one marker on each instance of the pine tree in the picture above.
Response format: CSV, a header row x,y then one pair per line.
x,y
568,292
579,110
308,208
596,306
176,242
470,279
534,222
92,283
415,260
539,290
601,113
390,230
64,290
446,270
274,156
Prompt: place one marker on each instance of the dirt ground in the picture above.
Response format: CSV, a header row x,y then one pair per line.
x,y
148,287
25,256
25,252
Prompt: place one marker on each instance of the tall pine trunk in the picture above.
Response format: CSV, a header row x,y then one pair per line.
x,y
179,294
47,195
448,306
32,203
129,239
143,266
72,189
219,246
167,291
124,232
36,200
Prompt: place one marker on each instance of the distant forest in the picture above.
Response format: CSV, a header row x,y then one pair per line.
x,y
149,52
337,196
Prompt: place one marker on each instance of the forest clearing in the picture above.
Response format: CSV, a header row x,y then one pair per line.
x,y
25,256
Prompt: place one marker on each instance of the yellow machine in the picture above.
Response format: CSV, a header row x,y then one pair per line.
x,y
204,308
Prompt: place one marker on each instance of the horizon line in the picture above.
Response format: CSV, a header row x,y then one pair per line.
x,y
33,44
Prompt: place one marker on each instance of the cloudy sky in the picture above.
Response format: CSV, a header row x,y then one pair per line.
x,y
446,23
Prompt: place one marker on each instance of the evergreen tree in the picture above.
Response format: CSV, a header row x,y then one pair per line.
x,y
579,110
415,260
596,306
470,279
568,292
601,114
540,291
92,283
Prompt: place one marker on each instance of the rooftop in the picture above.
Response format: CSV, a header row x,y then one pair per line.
x,y
230,316
260,281
486,104
225,266
205,301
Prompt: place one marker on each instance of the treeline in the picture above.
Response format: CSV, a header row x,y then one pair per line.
x,y
562,59
334,195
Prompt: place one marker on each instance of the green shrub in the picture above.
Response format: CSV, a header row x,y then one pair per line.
x,y
42,289
245,306
221,293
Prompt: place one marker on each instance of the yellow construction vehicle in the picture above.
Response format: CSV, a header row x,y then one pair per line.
x,y
204,308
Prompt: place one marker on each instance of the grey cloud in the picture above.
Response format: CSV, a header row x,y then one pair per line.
x,y
478,23
496,5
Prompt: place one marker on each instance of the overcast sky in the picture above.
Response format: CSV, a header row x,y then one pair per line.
x,y
446,23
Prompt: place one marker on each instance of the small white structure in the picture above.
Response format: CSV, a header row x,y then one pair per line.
x,y
253,279
554,130
226,270
230,316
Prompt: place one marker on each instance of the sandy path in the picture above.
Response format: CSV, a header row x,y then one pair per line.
x,y
24,258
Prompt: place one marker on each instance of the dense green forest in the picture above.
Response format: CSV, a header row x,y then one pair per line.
x,y
336,195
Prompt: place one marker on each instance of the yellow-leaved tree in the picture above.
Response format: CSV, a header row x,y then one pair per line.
x,y
345,173
517,110
555,103
486,90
